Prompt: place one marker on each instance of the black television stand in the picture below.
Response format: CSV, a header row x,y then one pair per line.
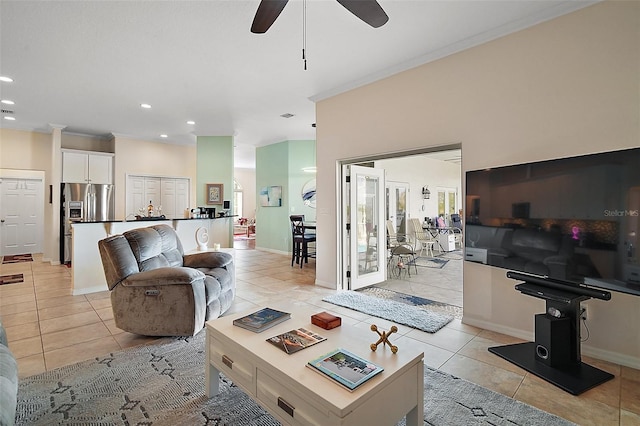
x,y
555,354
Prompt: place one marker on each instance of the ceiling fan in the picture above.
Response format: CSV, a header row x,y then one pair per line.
x,y
368,11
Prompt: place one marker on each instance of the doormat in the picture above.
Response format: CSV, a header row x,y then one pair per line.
x,y
419,302
431,262
391,310
11,279
17,258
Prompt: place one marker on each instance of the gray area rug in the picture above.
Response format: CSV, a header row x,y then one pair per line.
x,y
391,310
163,384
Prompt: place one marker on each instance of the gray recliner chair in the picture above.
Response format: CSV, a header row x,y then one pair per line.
x,y
157,290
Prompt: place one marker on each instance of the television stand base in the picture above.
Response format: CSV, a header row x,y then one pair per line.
x,y
574,379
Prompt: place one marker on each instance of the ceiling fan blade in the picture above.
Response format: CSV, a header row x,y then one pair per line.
x,y
367,10
268,11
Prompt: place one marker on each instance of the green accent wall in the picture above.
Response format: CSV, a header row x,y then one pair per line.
x,y
281,164
214,164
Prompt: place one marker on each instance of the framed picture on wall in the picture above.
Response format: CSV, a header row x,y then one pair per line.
x,y
271,196
214,194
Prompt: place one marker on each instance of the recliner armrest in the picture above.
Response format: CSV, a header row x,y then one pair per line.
x,y
207,259
163,276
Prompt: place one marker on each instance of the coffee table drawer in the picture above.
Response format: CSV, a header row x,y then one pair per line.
x,y
234,365
289,406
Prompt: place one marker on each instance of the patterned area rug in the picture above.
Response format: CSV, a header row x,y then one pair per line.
x,y
431,262
11,279
419,302
391,310
148,385
163,384
17,258
451,255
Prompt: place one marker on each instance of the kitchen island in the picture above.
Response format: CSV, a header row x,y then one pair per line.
x,y
87,274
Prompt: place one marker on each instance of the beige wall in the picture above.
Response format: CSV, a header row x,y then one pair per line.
x,y
23,150
87,143
26,150
247,178
565,87
143,158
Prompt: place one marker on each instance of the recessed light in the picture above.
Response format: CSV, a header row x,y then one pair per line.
x,y
6,79
163,136
7,102
145,106
191,122
6,117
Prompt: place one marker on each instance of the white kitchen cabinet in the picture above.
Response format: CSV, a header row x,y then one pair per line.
x,y
86,167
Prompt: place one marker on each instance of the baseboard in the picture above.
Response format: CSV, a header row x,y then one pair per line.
x,y
327,284
509,331
626,360
88,290
602,354
270,250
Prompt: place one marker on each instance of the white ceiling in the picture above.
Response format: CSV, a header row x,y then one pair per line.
x,y
89,65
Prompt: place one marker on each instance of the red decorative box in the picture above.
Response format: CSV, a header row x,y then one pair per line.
x,y
326,320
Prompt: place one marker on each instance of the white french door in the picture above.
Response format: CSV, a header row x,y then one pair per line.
x,y
364,226
397,205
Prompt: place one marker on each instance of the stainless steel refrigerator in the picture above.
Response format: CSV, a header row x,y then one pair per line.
x,y
82,202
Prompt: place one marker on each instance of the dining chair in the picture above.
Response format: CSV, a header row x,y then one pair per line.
x,y
401,258
423,239
300,241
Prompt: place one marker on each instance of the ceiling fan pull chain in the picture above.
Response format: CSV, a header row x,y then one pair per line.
x,y
304,33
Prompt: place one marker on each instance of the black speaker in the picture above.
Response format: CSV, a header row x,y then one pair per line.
x,y
226,205
553,340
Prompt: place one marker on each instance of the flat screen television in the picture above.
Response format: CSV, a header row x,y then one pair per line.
x,y
574,219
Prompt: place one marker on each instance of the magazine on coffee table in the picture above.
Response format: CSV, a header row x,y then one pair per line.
x,y
262,319
346,368
295,340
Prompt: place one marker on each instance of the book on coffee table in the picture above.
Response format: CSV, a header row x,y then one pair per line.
x,y
295,340
261,320
346,368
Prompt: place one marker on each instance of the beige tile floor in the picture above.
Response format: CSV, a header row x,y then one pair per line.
x,y
48,327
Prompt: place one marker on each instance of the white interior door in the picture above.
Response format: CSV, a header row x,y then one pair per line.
x,y
21,216
367,235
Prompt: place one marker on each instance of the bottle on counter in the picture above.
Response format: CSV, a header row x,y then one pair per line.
x,y
150,209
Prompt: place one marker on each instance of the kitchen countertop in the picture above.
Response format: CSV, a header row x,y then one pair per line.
x,y
151,219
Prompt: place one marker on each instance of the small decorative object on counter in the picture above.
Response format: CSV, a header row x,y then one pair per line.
x,y
150,209
384,338
326,320
202,238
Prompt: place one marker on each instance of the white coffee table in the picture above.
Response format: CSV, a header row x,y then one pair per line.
x,y
296,395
